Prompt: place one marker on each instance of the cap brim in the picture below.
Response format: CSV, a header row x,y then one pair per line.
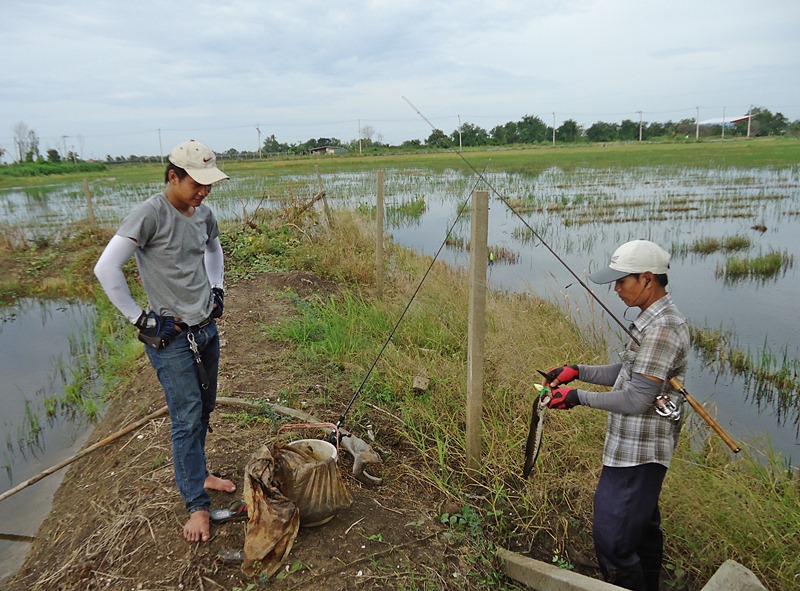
x,y
607,275
207,176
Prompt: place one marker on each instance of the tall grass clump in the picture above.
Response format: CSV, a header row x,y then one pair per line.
x,y
770,377
745,510
763,267
712,244
406,211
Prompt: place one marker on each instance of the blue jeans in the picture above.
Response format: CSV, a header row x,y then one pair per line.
x,y
190,407
627,525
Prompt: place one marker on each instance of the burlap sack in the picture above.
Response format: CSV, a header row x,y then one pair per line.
x,y
306,473
273,520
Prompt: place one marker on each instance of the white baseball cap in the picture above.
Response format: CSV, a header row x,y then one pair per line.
x,y
636,256
199,161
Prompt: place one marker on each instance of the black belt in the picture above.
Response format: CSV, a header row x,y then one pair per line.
x,y
201,325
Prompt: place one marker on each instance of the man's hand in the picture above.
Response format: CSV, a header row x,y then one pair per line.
x,y
219,301
563,398
156,331
564,374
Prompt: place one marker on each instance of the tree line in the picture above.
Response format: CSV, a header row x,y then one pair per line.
x,y
530,129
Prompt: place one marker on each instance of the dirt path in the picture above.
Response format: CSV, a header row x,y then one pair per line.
x,y
116,520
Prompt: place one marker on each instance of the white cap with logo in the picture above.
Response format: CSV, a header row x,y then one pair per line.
x,y
636,256
199,161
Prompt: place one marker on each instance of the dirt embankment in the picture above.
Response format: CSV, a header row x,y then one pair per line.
x,y
116,520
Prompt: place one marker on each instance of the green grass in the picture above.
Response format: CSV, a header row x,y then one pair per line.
x,y
533,160
759,152
762,267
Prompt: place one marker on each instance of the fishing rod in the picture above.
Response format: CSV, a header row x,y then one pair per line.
x,y
674,381
532,231
341,418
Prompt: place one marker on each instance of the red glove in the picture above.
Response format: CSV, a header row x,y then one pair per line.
x,y
564,374
563,398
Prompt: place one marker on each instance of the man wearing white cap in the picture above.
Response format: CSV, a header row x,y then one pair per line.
x,y
639,440
175,239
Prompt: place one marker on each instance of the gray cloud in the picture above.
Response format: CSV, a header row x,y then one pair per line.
x,y
116,73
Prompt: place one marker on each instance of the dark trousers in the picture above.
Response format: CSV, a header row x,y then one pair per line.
x,y
627,526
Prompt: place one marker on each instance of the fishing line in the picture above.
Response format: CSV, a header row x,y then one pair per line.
x,y
461,210
532,231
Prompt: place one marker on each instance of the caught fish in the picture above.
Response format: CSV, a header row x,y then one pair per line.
x,y
534,443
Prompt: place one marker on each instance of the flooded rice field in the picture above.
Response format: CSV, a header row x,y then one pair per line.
x,y
733,234
42,344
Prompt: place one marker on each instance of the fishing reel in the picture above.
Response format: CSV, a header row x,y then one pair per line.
x,y
666,408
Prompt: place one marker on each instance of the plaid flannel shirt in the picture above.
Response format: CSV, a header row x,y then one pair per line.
x,y
632,440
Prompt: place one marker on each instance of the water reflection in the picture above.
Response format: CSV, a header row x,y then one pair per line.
x,y
37,339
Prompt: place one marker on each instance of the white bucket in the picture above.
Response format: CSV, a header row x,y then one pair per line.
x,y
319,449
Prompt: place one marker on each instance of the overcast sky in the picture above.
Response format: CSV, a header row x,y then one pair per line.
x,y
103,77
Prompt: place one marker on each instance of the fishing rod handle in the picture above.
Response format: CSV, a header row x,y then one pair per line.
x,y
699,409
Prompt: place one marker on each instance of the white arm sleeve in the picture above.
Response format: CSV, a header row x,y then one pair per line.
x,y
215,266
108,271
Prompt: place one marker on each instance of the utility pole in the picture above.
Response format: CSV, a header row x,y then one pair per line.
x,y
640,125
554,128
64,143
359,137
258,129
459,133
160,147
723,122
697,124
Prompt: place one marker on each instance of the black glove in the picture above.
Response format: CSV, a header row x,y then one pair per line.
x,y
219,301
564,374
563,398
156,331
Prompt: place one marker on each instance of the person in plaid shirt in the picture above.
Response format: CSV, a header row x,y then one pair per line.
x,y
639,441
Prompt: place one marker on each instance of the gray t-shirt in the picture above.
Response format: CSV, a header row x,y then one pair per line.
x,y
170,255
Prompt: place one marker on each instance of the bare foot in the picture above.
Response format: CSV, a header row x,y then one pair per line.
x,y
198,528
216,483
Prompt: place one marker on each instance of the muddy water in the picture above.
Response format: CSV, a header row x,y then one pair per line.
x,y
35,340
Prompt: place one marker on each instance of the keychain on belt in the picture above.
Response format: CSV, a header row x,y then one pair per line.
x,y
201,371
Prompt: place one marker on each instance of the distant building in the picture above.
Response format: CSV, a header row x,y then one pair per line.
x,y
328,150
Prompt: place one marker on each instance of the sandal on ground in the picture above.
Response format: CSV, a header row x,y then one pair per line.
x,y
235,512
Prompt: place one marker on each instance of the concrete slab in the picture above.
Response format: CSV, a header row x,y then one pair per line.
x,y
542,576
732,576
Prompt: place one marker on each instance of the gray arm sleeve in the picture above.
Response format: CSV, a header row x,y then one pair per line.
x,y
214,262
634,399
602,375
108,271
